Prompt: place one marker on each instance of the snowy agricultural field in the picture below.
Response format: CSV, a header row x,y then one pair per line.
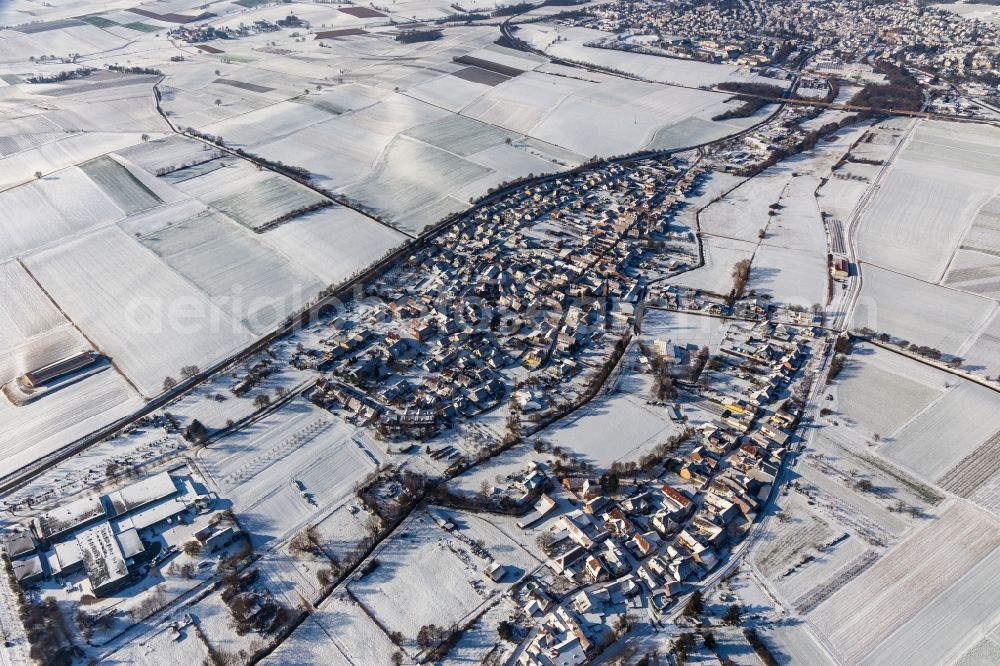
x,y
257,466
42,426
900,587
128,193
952,624
941,436
338,633
743,212
256,285
51,209
148,319
789,276
976,266
570,46
332,243
424,576
881,391
933,191
920,312
411,176
721,254
613,428
25,310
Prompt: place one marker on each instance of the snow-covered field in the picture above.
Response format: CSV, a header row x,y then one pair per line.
x,y
930,198
256,468
900,586
339,633
427,576
618,427
247,279
149,320
954,426
920,312
42,426
789,276
881,391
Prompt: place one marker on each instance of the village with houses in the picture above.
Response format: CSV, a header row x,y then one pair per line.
x,y
529,334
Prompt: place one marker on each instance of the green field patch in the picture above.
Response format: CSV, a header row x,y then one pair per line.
x,y
120,185
142,27
98,21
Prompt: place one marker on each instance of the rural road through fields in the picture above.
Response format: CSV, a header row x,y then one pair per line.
x,y
844,307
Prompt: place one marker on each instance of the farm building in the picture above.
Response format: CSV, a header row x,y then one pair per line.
x,y
35,378
840,269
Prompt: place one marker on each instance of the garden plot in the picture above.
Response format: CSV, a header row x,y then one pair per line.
x,y
254,284
881,391
952,428
792,277
135,309
922,313
339,632
930,197
683,328
858,617
788,544
744,212
333,243
413,175
613,428
51,209
25,310
716,276
952,623
40,427
128,193
424,576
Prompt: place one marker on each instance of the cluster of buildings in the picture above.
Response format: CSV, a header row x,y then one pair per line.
x,y
106,542
646,542
847,35
559,267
